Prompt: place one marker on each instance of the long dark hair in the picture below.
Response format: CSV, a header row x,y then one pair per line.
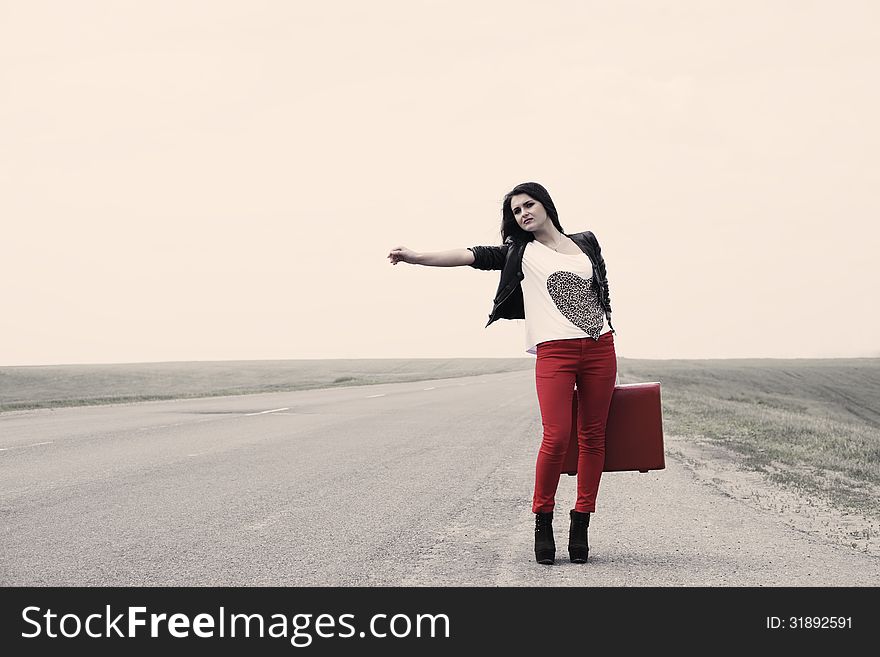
x,y
509,228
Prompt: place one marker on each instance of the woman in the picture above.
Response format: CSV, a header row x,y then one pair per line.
x,y
557,283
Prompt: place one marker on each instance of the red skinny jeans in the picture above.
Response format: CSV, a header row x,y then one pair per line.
x,y
592,364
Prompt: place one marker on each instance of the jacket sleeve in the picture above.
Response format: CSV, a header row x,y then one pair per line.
x,y
600,263
488,257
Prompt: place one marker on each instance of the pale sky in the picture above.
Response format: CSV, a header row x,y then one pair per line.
x,y
218,180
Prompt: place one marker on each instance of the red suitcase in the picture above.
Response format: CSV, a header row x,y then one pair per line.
x,y
633,434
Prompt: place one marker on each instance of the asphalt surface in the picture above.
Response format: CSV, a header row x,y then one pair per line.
x,y
415,484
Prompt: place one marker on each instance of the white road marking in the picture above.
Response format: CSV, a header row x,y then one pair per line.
x,y
371,396
6,449
274,410
429,388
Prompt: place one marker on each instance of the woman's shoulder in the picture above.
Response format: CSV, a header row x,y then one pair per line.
x,y
516,243
585,235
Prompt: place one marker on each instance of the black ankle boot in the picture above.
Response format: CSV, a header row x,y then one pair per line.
x,y
578,549
545,547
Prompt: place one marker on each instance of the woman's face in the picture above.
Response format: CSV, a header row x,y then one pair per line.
x,y
529,213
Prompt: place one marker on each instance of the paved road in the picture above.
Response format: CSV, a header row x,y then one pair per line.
x,y
425,483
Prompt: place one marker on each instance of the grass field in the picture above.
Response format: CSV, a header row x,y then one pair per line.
x,y
812,425
77,385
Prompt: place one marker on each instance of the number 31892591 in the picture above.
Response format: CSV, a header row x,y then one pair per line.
x,y
809,622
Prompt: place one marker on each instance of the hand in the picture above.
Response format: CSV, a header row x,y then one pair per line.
x,y
402,254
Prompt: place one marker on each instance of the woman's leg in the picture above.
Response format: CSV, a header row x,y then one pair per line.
x,y
555,372
597,371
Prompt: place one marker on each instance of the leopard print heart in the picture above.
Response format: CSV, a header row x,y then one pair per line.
x,y
577,301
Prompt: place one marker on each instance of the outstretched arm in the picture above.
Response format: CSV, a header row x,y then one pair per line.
x,y
451,258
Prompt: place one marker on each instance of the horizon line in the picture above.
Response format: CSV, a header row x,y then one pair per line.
x,y
524,358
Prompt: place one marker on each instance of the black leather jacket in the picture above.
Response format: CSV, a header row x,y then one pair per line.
x,y
508,302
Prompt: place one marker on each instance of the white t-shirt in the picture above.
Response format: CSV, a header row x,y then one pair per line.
x,y
558,297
